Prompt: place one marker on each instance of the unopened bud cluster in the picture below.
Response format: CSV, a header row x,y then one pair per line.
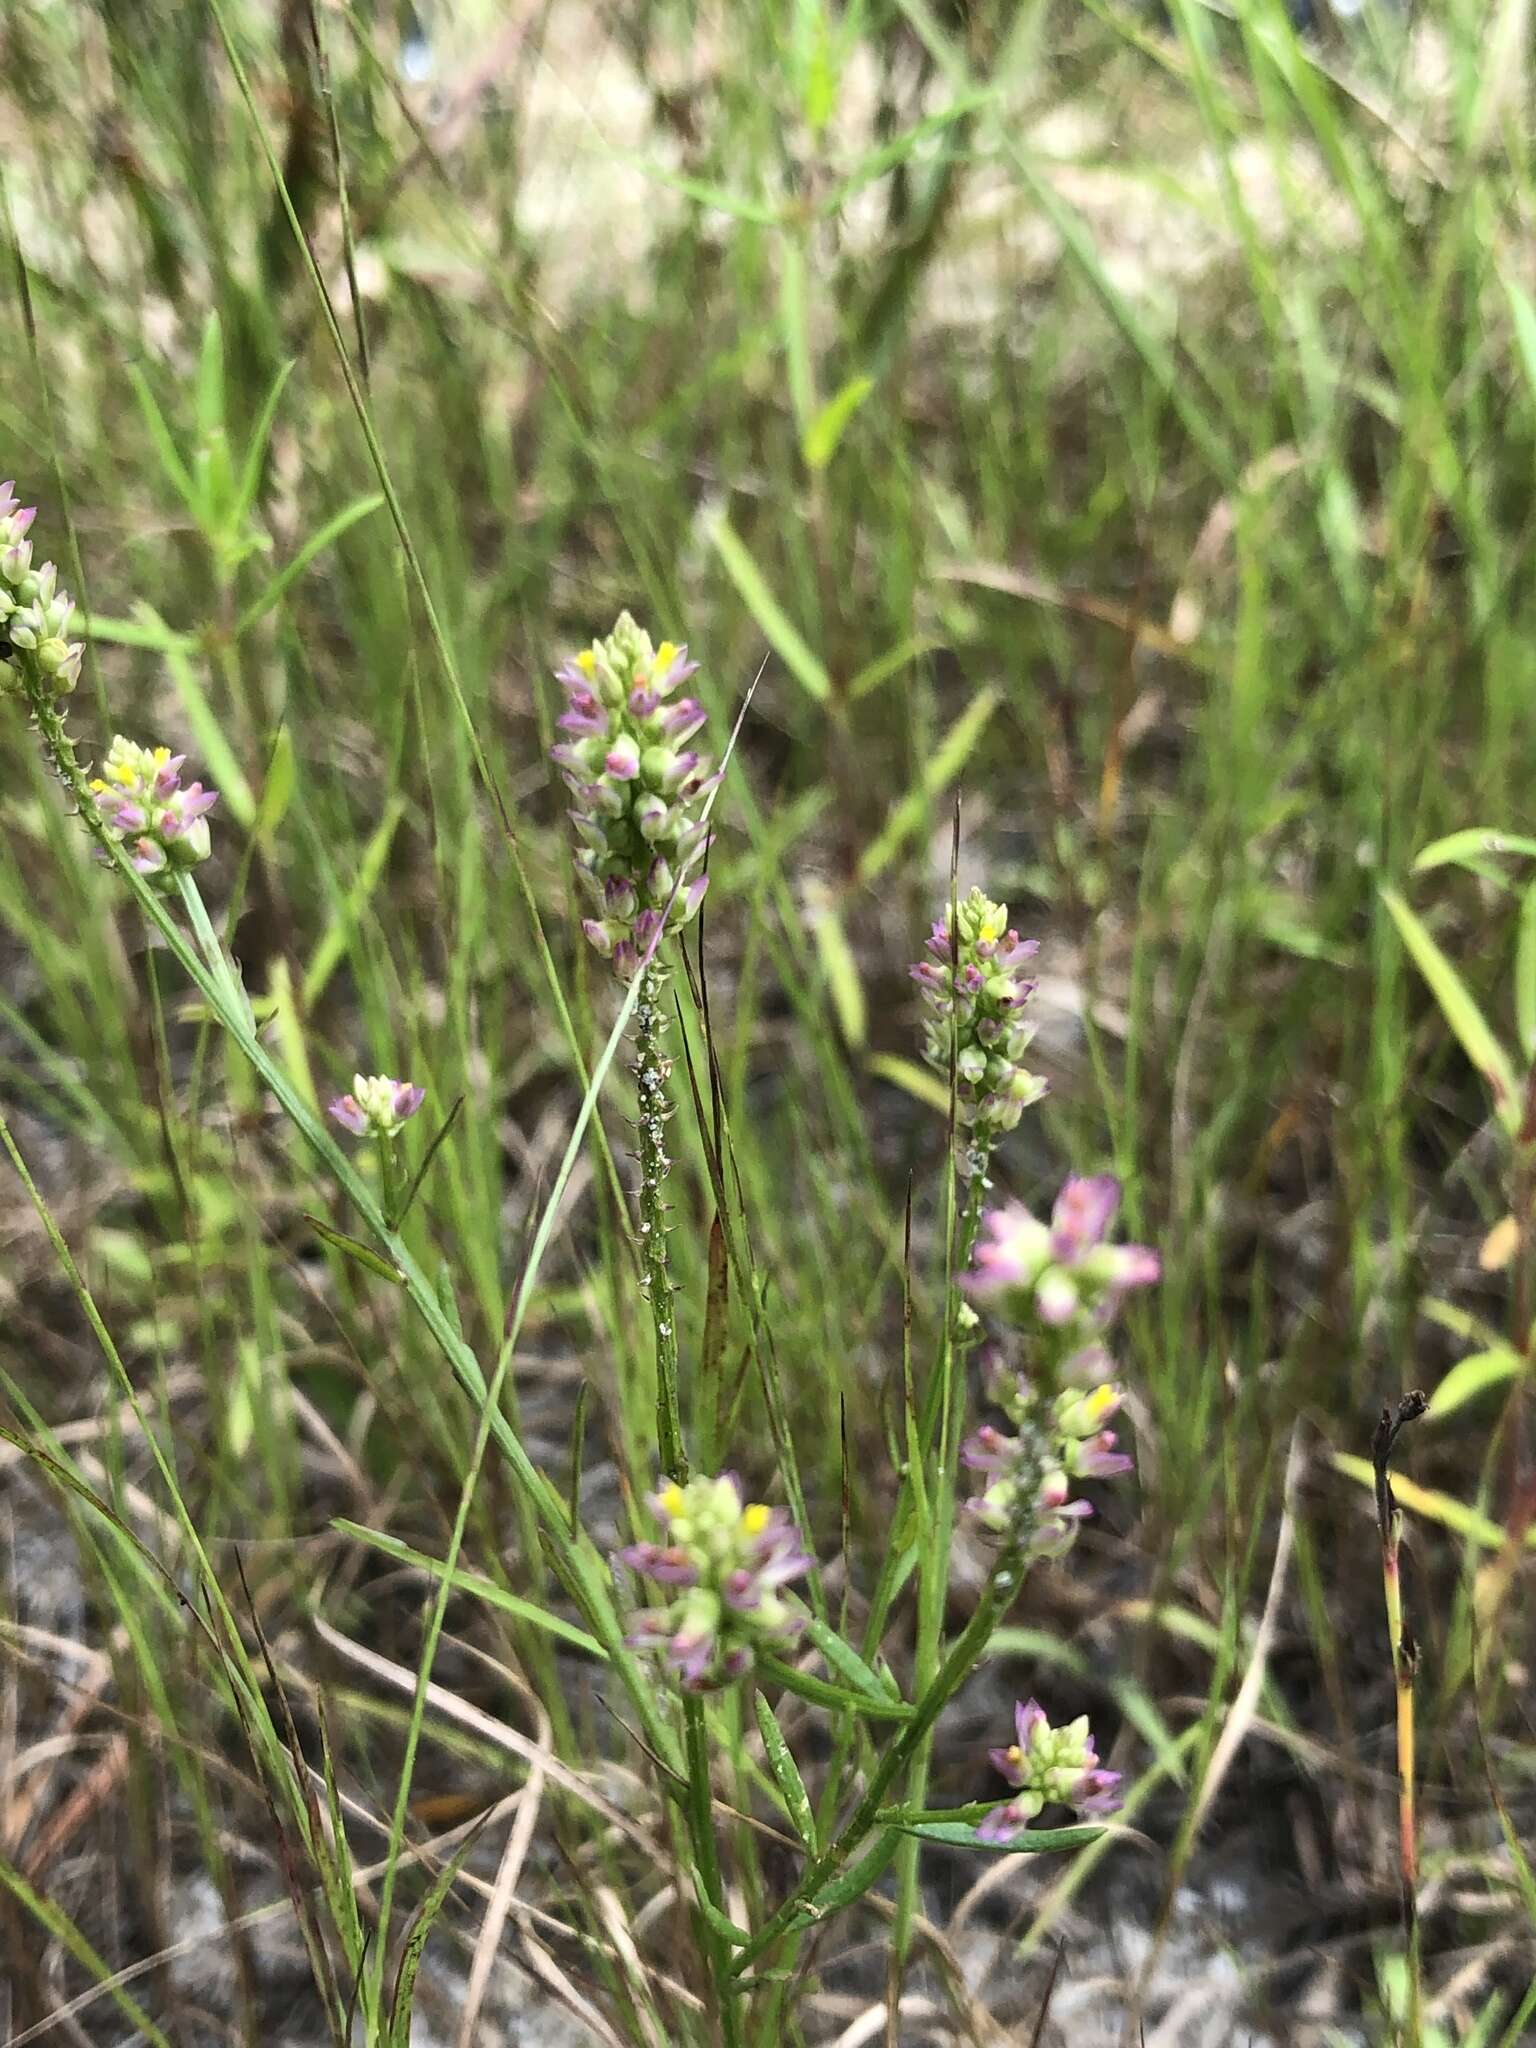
x,y
727,1561
34,611
976,995
1029,1470
377,1106
141,802
1048,1767
1059,1284
640,789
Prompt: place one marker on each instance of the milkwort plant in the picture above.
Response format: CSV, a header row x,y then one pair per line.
x,y
732,1629
728,1561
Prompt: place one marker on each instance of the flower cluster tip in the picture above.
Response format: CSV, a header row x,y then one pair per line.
x,y
142,803
34,612
976,995
640,790
1048,1766
377,1105
726,1562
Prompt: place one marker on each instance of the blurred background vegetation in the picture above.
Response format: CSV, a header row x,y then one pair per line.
x,y
1116,420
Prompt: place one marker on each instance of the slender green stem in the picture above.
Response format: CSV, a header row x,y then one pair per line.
x,y
652,1072
934,1581
701,1833
389,1181
996,1597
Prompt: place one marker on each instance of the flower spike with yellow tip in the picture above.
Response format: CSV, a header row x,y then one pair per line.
x,y
728,1560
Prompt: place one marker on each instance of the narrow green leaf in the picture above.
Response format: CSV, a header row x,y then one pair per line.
x,y
176,471
578,1447
1525,974
214,750
1459,1010
336,1867
786,1773
1033,1841
68,1937
293,1040
354,1248
1470,1377
447,1300
1430,1502
337,936
918,1082
478,1587
317,543
840,970
891,153
770,616
717,1319
433,1147
701,190
820,71
859,1878
838,1699
142,631
416,1942
723,1925
943,765
846,1660
889,664
277,786
209,393
819,441
1462,848
255,454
